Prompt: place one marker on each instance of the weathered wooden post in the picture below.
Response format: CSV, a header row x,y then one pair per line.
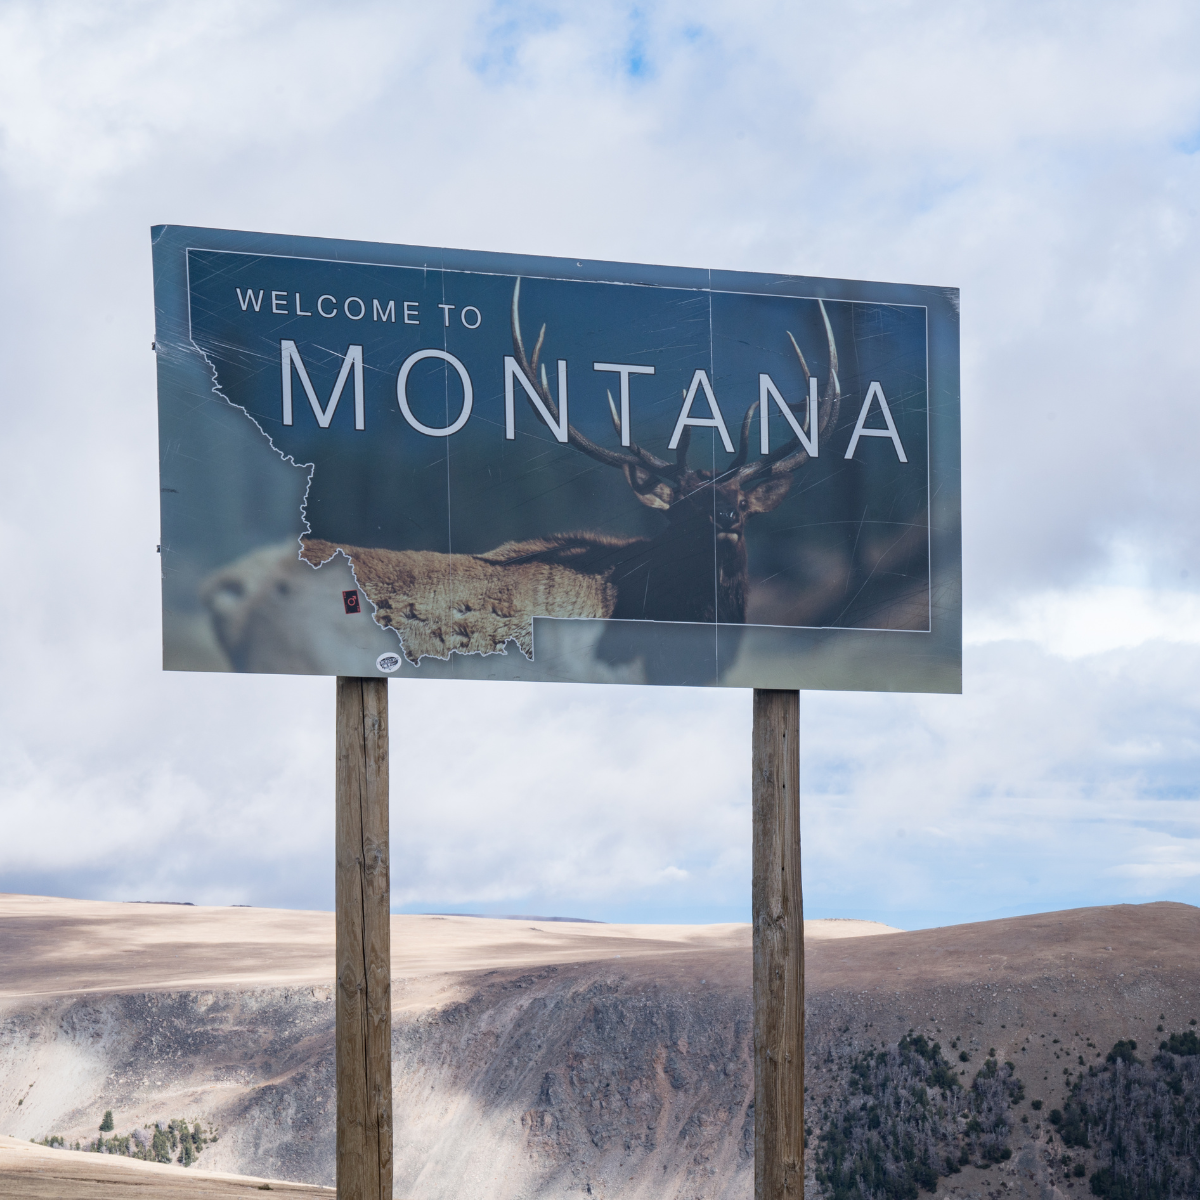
x,y
778,913
364,952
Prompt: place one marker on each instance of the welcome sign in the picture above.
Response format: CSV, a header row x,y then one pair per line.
x,y
387,459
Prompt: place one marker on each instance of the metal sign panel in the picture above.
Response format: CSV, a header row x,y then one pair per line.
x,y
383,459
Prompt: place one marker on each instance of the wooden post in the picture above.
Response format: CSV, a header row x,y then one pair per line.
x,y
364,952
778,911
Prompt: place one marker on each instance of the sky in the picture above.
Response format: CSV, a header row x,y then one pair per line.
x,y
1042,157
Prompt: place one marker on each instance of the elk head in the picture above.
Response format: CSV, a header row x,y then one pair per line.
x,y
699,501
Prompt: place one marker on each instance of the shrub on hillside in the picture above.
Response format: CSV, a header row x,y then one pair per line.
x,y
1186,1045
1142,1120
904,1120
174,1141
1123,1052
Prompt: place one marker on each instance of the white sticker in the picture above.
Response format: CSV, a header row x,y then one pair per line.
x,y
388,663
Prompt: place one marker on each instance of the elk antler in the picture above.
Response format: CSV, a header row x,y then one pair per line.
x,y
782,461
638,458
739,459
791,454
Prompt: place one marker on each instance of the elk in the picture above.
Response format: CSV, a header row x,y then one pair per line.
x,y
671,576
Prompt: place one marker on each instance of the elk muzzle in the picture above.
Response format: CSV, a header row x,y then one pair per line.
x,y
728,521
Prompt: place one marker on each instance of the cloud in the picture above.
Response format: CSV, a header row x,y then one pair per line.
x,y
1011,799
1091,620
1042,157
95,91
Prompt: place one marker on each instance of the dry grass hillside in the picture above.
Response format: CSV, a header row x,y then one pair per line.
x,y
31,1172
535,1058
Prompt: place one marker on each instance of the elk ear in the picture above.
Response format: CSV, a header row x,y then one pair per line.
x,y
768,495
649,489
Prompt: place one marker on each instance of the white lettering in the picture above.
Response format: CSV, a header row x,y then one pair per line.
x,y
249,298
446,310
767,391
275,303
290,357
362,308
478,317
624,370
875,392
299,311
411,315
511,372
321,309
716,421
379,313
402,392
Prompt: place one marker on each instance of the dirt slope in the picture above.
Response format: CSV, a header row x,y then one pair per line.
x,y
1102,973
51,946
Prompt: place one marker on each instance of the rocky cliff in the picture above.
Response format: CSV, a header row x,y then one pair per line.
x,y
621,1064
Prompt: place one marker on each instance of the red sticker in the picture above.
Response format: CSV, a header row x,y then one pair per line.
x,y
350,600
